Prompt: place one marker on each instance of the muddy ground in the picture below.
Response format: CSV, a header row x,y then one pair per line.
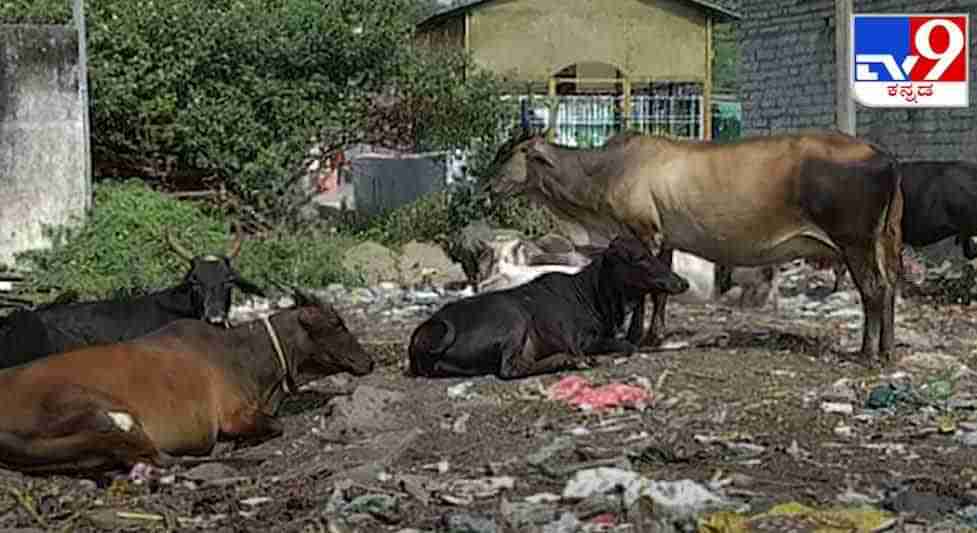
x,y
748,411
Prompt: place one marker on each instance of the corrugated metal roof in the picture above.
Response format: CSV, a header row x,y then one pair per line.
x,y
718,12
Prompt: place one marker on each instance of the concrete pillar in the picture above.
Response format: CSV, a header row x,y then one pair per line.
x,y
844,105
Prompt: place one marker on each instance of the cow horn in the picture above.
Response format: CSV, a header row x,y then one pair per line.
x,y
235,247
175,246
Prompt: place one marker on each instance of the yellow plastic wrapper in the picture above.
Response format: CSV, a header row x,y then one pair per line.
x,y
794,516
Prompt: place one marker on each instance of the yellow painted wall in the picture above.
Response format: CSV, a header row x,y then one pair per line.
x,y
533,39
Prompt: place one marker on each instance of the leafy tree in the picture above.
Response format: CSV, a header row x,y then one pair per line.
x,y
240,88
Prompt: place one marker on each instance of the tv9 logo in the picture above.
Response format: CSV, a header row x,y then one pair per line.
x,y
910,60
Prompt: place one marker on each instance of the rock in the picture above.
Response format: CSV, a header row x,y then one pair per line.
x,y
425,263
375,262
367,408
210,472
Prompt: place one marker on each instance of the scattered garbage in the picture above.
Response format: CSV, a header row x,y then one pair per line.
x,y
926,498
383,507
461,391
468,523
889,395
579,392
675,498
525,515
794,516
568,523
466,491
543,454
838,408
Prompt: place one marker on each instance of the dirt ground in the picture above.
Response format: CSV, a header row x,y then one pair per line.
x,y
741,408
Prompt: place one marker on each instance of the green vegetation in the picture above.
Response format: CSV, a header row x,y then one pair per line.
x,y
35,11
240,88
121,247
438,215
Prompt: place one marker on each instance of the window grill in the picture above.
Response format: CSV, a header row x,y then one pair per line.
x,y
588,120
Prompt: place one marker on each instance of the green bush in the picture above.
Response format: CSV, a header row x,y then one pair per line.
x,y
121,247
242,87
239,87
35,11
438,215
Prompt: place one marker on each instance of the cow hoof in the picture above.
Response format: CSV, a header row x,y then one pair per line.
x,y
651,341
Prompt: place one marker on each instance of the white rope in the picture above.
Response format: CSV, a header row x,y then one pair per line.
x,y
278,351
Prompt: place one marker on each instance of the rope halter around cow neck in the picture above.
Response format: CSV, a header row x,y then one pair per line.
x,y
288,384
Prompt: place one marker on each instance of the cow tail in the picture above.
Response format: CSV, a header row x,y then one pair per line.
x,y
892,224
428,343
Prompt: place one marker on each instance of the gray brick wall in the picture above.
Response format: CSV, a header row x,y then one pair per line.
x,y
786,78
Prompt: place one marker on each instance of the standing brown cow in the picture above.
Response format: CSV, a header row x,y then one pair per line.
x,y
754,202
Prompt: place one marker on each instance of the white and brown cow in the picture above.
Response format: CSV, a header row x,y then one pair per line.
x,y
754,202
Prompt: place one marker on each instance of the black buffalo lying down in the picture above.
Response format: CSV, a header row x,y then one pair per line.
x,y
204,294
540,326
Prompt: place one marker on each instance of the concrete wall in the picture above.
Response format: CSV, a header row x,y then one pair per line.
x,y
787,78
43,157
925,133
532,40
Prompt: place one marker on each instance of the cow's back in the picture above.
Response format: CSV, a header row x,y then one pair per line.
x,y
77,325
940,200
753,202
170,387
23,338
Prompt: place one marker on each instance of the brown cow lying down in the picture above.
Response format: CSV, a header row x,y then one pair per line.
x,y
759,201
175,391
541,326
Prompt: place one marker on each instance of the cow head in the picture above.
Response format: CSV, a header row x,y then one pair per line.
x,y
211,278
332,347
635,268
510,162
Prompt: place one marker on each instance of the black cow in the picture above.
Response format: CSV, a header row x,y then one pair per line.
x,y
939,201
540,326
205,294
